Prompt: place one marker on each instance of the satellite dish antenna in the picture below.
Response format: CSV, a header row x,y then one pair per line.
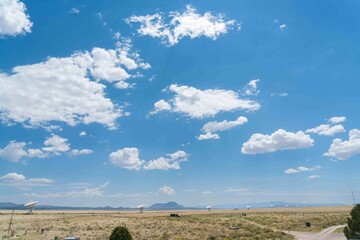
x,y
271,206
248,207
30,206
209,208
141,208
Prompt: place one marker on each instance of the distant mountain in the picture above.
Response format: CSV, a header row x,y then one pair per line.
x,y
9,205
50,207
166,206
275,204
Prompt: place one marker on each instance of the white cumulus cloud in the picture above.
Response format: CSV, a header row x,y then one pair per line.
x,y
251,88
224,125
343,150
211,127
172,161
335,120
127,158
166,190
198,103
161,105
207,136
14,151
172,28
56,144
326,129
12,177
279,140
62,89
13,18
53,145
36,153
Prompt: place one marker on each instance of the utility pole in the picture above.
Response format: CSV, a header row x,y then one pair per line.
x,y
11,218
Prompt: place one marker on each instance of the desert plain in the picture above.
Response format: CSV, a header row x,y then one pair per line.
x,y
267,223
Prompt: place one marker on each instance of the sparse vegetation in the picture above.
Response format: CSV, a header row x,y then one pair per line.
x,y
195,225
295,220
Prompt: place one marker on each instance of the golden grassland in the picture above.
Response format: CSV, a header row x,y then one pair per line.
x,y
193,224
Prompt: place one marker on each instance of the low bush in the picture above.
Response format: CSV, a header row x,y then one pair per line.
x,y
120,233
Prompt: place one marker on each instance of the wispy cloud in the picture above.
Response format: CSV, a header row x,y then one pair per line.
x,y
302,169
85,192
20,181
236,190
74,10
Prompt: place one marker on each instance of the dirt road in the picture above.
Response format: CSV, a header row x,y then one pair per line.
x,y
326,234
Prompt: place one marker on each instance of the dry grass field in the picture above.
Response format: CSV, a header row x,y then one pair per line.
x,y
199,224
294,219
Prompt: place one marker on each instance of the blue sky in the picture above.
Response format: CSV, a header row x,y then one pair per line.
x,y
124,103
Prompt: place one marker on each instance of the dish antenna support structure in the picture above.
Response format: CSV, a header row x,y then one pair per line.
x,y
209,208
141,208
352,192
248,207
30,206
11,219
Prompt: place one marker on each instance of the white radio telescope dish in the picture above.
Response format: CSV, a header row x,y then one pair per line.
x,y
141,208
30,206
209,208
248,207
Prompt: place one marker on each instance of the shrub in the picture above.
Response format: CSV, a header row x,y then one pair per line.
x,y
120,233
352,230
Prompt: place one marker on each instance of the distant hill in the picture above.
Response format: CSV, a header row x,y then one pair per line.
x,y
275,204
10,205
156,206
166,206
